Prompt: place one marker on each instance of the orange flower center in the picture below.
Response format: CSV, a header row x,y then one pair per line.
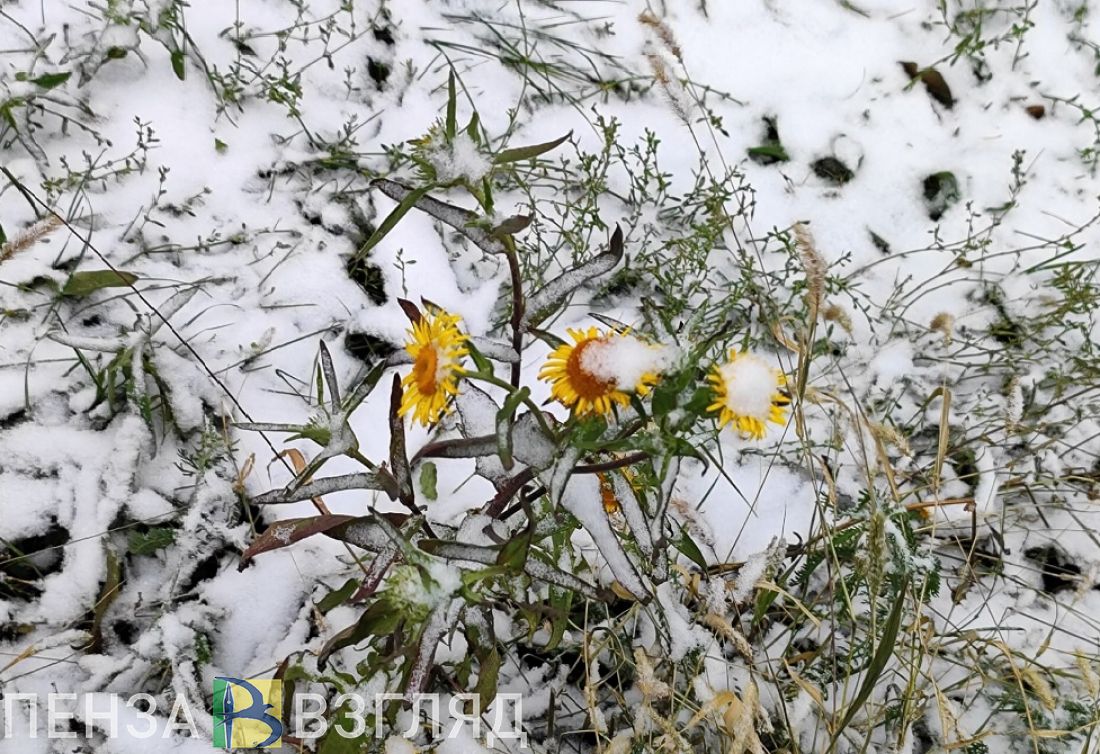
x,y
425,368
584,383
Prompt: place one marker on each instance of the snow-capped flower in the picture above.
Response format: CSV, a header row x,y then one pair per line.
x,y
748,392
599,369
437,347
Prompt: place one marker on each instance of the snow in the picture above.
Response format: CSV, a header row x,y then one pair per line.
x,y
751,383
460,743
773,501
749,575
622,360
398,745
461,159
892,362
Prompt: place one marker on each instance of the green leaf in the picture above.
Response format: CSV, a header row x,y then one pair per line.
x,y
487,675
3,235
479,359
664,399
51,80
6,112
764,600
883,653
392,219
428,480
177,64
89,281
111,584
526,153
562,602
147,543
504,424
451,126
766,154
687,546
337,597
220,146
547,337
699,401
377,620
472,129
365,387
514,553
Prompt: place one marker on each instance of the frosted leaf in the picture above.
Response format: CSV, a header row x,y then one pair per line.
x,y
478,412
556,477
530,445
462,220
495,350
683,634
437,625
87,343
632,512
479,418
582,498
533,567
554,294
359,481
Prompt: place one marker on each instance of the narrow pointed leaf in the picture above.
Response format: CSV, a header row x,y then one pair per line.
x,y
526,153
330,379
504,425
376,480
412,311
402,209
556,293
285,533
462,220
451,126
399,459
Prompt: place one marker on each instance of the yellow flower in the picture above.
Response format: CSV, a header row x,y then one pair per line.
x,y
437,347
582,375
747,393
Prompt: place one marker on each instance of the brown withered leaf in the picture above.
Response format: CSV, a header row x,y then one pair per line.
x,y
934,83
284,533
412,311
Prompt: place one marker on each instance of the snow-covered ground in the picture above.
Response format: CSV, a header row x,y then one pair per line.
x,y
941,159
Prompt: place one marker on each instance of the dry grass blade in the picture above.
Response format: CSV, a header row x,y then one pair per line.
x,y
30,236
